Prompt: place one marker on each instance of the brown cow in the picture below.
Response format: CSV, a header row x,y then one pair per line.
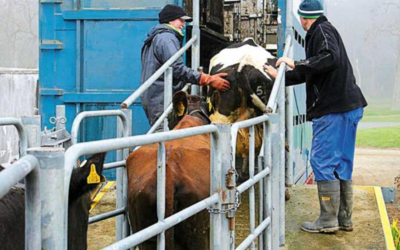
x,y
187,182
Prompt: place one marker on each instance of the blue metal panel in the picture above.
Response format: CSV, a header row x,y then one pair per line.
x,y
111,48
302,130
90,59
124,3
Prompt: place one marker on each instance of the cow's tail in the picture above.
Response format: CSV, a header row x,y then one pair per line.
x,y
243,77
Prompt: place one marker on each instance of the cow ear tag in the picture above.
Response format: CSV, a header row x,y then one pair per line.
x,y
209,104
181,109
93,177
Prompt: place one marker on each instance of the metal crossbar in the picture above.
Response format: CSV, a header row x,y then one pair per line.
x,y
132,98
4,121
26,167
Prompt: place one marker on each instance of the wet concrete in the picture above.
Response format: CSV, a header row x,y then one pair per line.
x,y
303,206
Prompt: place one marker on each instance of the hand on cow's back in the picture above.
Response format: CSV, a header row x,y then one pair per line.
x,y
216,81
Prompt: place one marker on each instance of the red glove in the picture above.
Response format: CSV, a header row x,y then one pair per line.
x,y
215,81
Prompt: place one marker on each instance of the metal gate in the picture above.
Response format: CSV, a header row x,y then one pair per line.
x,y
74,17
222,197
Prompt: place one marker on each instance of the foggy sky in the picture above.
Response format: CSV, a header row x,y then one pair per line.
x,y
370,30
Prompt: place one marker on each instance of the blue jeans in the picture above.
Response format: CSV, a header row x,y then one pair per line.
x,y
333,144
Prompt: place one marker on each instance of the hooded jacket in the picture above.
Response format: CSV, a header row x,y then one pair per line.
x,y
330,83
161,44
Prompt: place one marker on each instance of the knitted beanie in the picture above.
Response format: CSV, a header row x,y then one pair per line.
x,y
171,12
311,9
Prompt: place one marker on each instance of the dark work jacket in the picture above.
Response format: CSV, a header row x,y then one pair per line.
x,y
161,44
330,83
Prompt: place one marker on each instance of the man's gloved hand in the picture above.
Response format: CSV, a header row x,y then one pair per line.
x,y
216,81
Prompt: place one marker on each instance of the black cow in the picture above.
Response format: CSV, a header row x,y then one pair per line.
x,y
249,92
12,209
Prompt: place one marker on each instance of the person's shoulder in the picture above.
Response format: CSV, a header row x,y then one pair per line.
x,y
166,36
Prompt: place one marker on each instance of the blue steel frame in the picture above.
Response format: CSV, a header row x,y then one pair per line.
x,y
89,59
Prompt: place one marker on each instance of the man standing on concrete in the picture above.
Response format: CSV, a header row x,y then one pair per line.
x,y
162,42
335,105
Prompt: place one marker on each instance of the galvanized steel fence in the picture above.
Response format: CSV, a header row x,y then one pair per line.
x,y
223,200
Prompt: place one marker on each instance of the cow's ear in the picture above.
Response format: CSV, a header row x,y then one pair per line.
x,y
180,103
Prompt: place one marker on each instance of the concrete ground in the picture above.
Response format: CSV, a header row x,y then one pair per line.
x,y
302,206
373,167
376,167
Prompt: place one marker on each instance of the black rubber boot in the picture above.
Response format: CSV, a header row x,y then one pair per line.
x,y
346,206
329,200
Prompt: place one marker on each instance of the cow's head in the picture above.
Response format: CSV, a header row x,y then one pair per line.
x,y
185,104
83,180
250,85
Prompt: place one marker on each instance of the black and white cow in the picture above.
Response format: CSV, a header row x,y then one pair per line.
x,y
12,209
250,89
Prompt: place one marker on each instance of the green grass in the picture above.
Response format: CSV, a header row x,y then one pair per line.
x,y
379,137
379,110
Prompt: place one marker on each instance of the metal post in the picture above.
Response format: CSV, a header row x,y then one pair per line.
x,y
282,109
261,200
161,192
61,118
275,211
119,228
215,187
32,208
167,93
289,136
51,165
124,129
289,128
32,128
268,183
125,154
196,45
226,242
251,191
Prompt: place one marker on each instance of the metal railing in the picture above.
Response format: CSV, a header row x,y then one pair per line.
x,y
124,118
57,173
4,121
122,184
195,41
26,167
77,150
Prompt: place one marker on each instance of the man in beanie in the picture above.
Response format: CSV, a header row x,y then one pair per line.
x,y
335,105
163,41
